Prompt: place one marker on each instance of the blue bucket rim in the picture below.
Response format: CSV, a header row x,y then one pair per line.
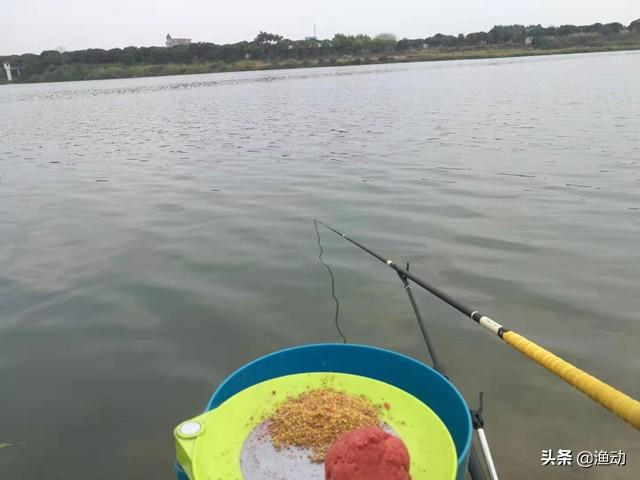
x,y
467,443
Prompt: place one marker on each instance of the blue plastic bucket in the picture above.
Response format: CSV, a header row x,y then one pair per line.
x,y
404,372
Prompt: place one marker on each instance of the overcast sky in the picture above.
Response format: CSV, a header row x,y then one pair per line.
x,y
36,25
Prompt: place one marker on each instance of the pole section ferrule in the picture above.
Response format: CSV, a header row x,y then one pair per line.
x,y
490,324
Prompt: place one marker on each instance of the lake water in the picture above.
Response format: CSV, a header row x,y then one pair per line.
x,y
157,233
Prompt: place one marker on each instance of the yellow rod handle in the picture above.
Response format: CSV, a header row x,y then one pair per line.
x,y
614,400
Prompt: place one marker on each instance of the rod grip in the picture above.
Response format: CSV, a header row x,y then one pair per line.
x,y
617,402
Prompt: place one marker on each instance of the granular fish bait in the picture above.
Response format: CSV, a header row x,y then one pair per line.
x,y
316,419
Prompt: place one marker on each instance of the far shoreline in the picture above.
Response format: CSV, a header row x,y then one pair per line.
x,y
118,71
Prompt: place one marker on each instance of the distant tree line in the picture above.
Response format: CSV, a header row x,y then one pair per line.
x,y
269,47
518,35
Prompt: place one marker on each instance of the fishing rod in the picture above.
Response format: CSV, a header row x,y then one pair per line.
x,y
476,471
617,402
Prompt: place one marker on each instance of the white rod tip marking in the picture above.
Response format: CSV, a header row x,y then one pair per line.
x,y
490,324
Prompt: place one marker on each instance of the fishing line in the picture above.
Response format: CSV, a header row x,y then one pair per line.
x,y
617,402
333,284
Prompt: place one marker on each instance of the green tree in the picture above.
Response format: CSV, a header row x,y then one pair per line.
x,y
264,38
129,55
612,28
594,28
362,42
477,38
441,40
51,57
386,38
384,41
567,30
343,43
507,34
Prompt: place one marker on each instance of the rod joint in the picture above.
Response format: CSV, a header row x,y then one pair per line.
x,y
502,331
476,415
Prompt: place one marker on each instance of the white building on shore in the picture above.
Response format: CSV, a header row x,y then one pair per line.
x,y
172,42
7,69
10,69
